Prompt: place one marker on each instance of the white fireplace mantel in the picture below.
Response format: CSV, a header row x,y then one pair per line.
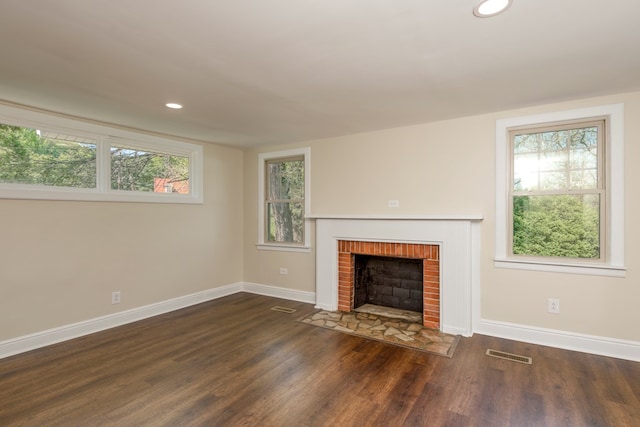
x,y
457,235
438,217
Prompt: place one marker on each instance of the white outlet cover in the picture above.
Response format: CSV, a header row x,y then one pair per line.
x,y
393,203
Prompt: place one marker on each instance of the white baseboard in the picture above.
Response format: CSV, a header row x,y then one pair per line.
x,y
621,349
629,350
273,291
75,330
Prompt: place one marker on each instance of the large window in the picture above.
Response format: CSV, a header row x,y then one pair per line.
x,y
557,192
46,157
559,184
284,200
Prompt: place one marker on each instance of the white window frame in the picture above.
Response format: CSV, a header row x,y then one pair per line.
x,y
105,137
263,158
613,265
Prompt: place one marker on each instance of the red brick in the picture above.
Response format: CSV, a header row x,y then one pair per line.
x,y
431,324
435,252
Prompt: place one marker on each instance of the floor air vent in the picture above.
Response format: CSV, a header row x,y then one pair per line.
x,y
283,309
509,356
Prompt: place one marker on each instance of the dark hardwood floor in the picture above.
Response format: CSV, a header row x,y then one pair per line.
x,y
233,362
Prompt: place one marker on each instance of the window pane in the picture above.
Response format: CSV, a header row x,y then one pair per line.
x,y
286,179
528,143
557,226
29,156
526,169
285,222
556,160
584,179
141,170
554,141
553,180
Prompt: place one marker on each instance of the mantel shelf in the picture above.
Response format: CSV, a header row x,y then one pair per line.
x,y
420,217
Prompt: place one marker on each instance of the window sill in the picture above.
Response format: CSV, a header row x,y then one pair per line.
x,y
90,195
283,247
586,269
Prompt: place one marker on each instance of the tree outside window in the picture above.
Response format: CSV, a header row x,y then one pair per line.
x,y
558,192
30,156
284,204
54,159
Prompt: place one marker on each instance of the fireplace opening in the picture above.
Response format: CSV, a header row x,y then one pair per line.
x,y
427,254
389,282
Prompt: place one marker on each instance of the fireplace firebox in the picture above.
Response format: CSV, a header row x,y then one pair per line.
x,y
388,282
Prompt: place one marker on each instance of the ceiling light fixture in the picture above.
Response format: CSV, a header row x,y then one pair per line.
x,y
487,8
173,105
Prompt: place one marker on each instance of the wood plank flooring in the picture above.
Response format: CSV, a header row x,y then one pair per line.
x,y
234,362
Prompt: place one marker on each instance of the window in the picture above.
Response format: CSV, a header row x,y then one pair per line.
x,y
284,200
46,157
559,192
144,170
39,157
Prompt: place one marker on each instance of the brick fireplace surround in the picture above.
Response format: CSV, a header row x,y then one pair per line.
x,y
430,254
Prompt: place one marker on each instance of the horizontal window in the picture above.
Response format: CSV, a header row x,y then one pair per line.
x,y
46,157
37,157
142,170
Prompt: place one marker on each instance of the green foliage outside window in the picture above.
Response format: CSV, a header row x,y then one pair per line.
x,y
29,156
557,226
557,191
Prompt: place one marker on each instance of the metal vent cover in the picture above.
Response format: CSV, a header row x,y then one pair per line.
x,y
283,309
509,356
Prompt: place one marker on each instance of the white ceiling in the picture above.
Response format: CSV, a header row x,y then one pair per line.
x,y
257,72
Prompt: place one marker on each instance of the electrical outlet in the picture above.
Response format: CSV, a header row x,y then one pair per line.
x,y
393,203
115,297
553,305
284,271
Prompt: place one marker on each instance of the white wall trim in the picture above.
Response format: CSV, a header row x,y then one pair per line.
x,y
604,346
274,291
63,333
611,347
75,330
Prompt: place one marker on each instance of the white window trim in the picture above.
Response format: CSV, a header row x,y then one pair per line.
x,y
285,247
614,265
104,136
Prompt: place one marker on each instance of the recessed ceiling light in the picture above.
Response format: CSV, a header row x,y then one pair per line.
x,y
174,105
487,8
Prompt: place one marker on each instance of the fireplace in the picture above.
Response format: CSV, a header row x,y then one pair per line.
x,y
399,291
456,238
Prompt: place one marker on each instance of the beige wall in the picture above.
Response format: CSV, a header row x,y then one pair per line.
x,y
448,168
60,260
